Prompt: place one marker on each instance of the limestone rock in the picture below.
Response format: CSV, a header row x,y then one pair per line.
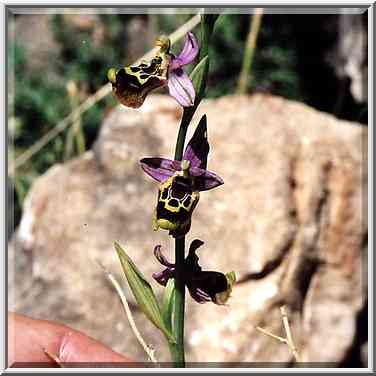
x,y
289,220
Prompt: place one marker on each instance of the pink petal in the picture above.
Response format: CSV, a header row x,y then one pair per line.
x,y
160,169
181,88
187,54
161,257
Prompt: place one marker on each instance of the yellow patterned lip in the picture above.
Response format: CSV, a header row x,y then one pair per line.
x,y
167,225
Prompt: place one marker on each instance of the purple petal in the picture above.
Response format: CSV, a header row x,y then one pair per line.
x,y
181,88
187,54
161,258
163,276
197,149
160,169
204,179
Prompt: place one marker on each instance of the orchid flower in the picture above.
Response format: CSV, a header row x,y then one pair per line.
x,y
181,182
131,85
179,84
194,163
203,286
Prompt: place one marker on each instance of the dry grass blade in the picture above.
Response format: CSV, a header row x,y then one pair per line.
x,y
250,51
283,340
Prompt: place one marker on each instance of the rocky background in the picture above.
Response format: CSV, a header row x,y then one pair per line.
x,y
290,220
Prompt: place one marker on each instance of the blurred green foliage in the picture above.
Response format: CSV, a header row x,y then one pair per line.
x,y
83,56
41,99
274,67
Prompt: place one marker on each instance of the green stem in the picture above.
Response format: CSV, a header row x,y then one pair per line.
x,y
177,350
173,352
179,306
179,148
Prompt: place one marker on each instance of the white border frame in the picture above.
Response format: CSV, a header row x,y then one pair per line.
x,y
195,3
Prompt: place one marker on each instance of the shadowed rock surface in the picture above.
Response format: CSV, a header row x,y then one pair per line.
x,y
290,220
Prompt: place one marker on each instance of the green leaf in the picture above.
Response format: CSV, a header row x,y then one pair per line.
x,y
142,292
209,20
168,303
207,27
198,77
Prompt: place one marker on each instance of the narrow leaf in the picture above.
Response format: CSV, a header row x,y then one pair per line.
x,y
142,292
209,20
198,77
168,303
207,27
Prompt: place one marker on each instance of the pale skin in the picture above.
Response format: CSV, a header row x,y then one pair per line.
x,y
34,341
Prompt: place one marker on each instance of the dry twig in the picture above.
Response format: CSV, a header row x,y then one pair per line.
x,y
288,340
